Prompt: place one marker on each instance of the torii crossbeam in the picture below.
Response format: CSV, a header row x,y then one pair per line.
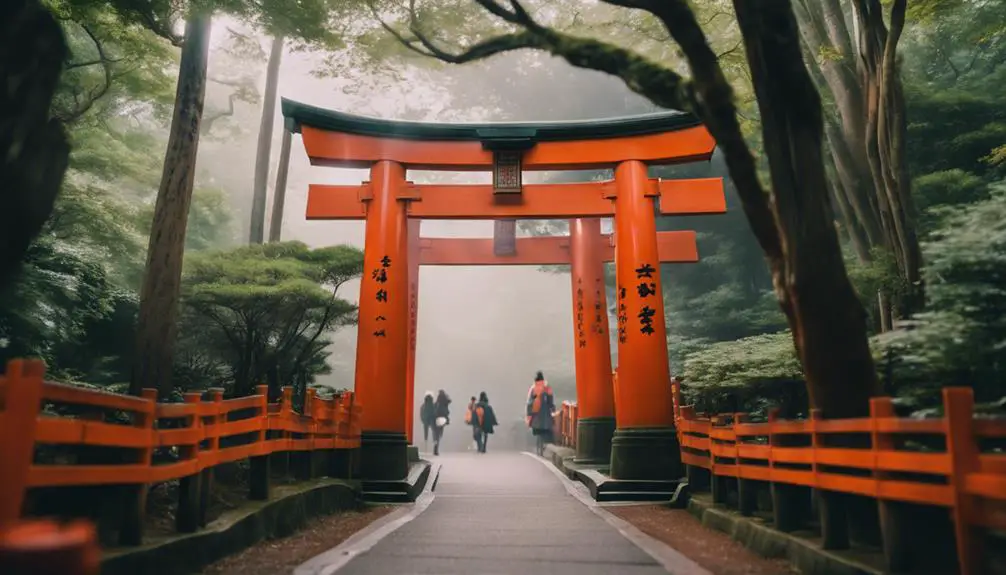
x,y
672,247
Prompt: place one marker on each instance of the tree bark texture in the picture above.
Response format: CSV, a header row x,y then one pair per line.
x,y
868,147
796,228
824,312
279,193
157,323
256,235
34,152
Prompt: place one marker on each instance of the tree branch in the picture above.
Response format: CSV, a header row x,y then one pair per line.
x,y
82,107
209,119
662,86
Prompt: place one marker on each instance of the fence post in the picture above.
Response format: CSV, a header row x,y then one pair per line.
x,y
303,469
216,395
18,422
720,483
831,511
747,489
895,525
258,483
962,446
787,505
187,515
697,476
135,496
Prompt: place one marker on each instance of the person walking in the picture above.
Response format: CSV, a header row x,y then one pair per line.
x,y
427,417
442,418
485,422
540,405
471,421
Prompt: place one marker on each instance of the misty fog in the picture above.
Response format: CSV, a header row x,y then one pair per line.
x,y
479,328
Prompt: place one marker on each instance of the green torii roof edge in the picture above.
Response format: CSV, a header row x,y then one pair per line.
x,y
492,135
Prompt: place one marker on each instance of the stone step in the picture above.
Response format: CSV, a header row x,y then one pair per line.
x,y
612,496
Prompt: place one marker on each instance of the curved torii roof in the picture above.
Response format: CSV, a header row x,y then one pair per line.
x,y
492,135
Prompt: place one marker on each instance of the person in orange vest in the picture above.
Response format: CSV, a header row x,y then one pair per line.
x,y
483,421
540,405
470,420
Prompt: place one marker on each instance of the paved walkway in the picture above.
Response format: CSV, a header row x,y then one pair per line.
x,y
502,513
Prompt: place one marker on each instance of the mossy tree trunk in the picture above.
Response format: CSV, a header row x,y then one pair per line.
x,y
157,323
34,152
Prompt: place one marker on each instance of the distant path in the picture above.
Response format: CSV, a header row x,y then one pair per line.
x,y
504,513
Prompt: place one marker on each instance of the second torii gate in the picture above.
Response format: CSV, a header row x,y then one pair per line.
x,y
644,445
583,250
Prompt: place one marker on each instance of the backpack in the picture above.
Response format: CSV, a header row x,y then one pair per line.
x,y
481,413
539,392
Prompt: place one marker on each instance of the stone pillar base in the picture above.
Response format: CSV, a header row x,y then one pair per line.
x,y
646,453
383,456
593,440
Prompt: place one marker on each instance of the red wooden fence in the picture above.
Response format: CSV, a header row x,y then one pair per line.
x,y
969,481
194,429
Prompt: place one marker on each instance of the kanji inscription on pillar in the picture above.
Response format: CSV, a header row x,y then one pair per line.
x,y
380,275
598,309
413,315
623,316
581,335
646,289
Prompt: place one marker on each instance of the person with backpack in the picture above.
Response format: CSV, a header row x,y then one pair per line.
x,y
426,416
470,420
442,417
540,405
484,421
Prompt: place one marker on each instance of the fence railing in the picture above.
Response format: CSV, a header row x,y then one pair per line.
x,y
946,463
564,424
202,432
956,462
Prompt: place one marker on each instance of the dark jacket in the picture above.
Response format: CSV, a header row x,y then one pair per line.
x,y
489,421
426,412
441,407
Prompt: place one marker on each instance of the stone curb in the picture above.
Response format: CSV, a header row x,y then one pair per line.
x,y
289,510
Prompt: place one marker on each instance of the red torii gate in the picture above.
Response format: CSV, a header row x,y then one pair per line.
x,y
644,445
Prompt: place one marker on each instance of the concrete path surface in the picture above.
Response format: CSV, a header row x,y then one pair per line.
x,y
497,513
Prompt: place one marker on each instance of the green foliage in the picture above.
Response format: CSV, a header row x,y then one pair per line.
x,y
54,310
258,313
937,191
953,129
749,375
961,338
111,60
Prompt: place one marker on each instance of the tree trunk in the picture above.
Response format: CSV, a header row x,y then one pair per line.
x,y
796,227
279,193
34,152
157,325
825,315
869,147
256,234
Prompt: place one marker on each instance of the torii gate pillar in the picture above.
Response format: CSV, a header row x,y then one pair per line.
x,y
592,349
383,332
645,444
410,379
